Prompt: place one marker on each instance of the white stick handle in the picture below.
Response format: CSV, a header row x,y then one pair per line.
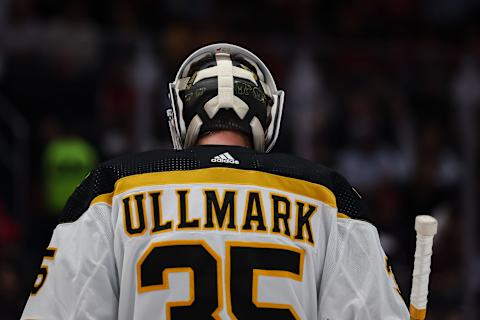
x,y
426,228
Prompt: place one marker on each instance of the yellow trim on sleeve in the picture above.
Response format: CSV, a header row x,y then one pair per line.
x,y
342,216
103,198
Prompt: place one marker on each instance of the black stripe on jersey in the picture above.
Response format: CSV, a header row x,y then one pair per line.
x,y
102,179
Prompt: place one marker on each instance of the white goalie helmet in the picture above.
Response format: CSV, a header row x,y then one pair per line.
x,y
223,86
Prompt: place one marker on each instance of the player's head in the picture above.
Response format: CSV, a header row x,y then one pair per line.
x,y
224,87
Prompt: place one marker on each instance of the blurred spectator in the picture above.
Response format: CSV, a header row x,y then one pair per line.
x,y
20,31
116,103
145,74
11,286
71,46
9,229
11,295
369,159
67,161
22,35
308,100
436,162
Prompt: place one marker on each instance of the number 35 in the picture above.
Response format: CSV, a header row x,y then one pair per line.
x,y
245,262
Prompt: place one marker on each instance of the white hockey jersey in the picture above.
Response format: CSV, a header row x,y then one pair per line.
x,y
183,235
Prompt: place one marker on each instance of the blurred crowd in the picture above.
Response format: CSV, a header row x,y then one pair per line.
x,y
385,91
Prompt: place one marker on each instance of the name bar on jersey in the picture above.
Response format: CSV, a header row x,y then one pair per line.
x,y
292,219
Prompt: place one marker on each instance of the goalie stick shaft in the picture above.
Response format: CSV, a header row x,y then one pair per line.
x,y
426,228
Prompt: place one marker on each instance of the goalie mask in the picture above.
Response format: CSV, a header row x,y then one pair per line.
x,y
224,87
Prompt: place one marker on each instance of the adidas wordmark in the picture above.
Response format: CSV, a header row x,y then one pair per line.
x,y
224,158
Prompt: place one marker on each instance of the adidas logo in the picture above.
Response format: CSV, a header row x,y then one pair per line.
x,y
224,158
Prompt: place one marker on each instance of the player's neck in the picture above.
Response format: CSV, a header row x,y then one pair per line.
x,y
225,137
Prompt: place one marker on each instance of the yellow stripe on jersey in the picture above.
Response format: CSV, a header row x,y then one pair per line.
x,y
228,176
342,216
222,176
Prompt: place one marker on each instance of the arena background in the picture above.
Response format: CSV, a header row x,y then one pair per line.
x,y
385,91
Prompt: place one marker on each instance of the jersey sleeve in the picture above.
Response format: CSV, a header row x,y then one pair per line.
x,y
78,277
357,282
